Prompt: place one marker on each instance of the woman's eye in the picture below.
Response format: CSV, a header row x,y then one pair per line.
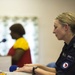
x,y
55,27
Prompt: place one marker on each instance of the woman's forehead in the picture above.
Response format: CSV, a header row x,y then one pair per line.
x,y
56,22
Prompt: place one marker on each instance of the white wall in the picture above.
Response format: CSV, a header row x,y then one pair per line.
x,y
46,11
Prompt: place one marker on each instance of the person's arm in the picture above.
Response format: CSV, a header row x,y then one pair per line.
x,y
17,56
38,71
42,67
47,68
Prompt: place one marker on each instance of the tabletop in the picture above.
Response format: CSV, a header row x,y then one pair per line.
x,y
15,73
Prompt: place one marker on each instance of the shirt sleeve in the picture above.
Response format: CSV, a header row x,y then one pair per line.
x,y
21,43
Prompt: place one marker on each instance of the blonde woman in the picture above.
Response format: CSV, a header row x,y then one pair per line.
x,y
64,29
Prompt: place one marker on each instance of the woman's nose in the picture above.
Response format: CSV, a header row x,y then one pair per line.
x,y
53,31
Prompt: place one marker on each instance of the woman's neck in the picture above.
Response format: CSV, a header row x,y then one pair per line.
x,y
69,38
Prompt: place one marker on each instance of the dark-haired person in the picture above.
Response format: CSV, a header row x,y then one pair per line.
x,y
20,51
64,29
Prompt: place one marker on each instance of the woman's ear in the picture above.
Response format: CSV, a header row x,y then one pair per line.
x,y
66,26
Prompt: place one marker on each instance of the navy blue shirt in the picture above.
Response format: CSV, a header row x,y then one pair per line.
x,y
65,64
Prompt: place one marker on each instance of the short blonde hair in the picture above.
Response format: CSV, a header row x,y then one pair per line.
x,y
67,18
